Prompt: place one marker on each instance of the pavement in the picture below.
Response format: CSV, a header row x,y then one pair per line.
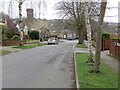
x,y
112,62
12,50
46,66
9,48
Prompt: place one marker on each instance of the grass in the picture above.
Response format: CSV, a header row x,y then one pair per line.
x,y
29,46
61,41
81,46
107,79
4,51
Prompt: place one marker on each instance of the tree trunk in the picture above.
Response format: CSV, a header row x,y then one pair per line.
x,y
21,43
88,27
80,37
98,39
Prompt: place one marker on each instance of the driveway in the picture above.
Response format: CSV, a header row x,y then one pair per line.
x,y
40,67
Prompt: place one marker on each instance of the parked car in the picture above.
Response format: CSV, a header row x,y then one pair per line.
x,y
60,38
70,39
52,41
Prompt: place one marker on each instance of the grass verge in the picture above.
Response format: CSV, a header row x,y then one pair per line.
x,y
29,46
81,46
107,79
61,41
4,51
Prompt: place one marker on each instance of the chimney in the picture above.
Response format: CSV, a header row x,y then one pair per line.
x,y
29,18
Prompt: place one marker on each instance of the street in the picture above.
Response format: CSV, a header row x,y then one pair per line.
x,y
40,67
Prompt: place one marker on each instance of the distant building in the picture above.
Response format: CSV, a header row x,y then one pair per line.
x,y
39,23
33,23
62,28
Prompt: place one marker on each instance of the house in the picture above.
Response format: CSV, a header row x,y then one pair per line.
x,y
45,32
63,28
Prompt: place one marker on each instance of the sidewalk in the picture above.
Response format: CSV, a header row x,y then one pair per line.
x,y
112,62
9,48
12,50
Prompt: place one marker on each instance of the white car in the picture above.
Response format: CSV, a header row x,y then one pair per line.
x,y
52,41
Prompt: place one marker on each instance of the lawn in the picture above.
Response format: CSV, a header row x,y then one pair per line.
x,y
81,46
61,41
106,79
29,46
4,51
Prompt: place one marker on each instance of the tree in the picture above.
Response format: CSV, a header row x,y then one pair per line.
x,y
98,40
88,27
72,10
34,35
20,2
4,31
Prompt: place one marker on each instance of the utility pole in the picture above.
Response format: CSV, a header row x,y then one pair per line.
x,y
21,43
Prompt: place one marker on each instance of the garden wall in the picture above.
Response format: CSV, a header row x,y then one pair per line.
x,y
11,42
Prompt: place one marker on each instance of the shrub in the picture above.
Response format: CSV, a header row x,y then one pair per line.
x,y
16,37
4,31
105,35
34,35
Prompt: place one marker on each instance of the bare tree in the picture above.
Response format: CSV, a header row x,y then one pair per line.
x,y
10,12
20,22
98,40
39,6
88,27
73,10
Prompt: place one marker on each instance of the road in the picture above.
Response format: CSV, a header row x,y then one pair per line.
x,y
40,67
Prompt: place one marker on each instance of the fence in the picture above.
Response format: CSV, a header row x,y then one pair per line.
x,y
115,49
106,44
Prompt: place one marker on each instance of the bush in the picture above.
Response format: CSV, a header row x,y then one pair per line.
x,y
4,31
105,35
34,35
16,37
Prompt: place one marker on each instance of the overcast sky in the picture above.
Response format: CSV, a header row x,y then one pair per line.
x,y
50,12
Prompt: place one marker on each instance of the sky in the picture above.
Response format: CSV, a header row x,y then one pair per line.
x,y
49,12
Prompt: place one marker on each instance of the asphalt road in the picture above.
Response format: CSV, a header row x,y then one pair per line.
x,y
40,67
